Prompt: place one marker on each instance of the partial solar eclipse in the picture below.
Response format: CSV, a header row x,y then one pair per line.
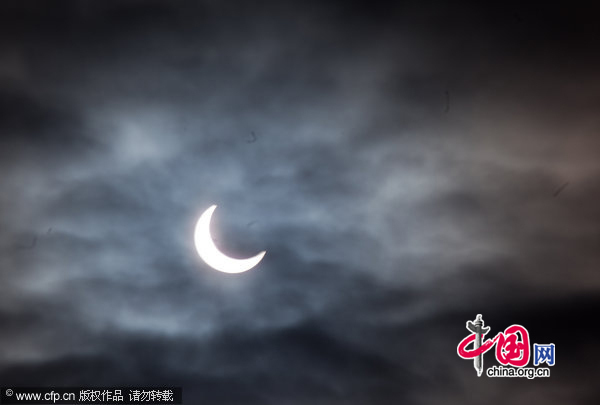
x,y
212,256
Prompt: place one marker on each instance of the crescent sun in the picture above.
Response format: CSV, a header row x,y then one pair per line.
x,y
209,252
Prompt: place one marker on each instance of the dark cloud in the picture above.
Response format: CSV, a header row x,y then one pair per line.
x,y
389,217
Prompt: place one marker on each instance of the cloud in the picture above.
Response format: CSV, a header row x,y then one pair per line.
x,y
388,221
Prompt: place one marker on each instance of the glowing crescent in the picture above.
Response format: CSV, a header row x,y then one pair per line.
x,y
212,255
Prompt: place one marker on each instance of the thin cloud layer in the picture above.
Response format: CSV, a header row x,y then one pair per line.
x,y
399,164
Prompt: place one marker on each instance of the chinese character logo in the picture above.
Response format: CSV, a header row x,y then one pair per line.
x,y
512,345
512,349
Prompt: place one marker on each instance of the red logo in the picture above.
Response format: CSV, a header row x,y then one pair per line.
x,y
512,346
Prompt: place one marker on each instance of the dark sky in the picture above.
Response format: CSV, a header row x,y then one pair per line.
x,y
407,172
